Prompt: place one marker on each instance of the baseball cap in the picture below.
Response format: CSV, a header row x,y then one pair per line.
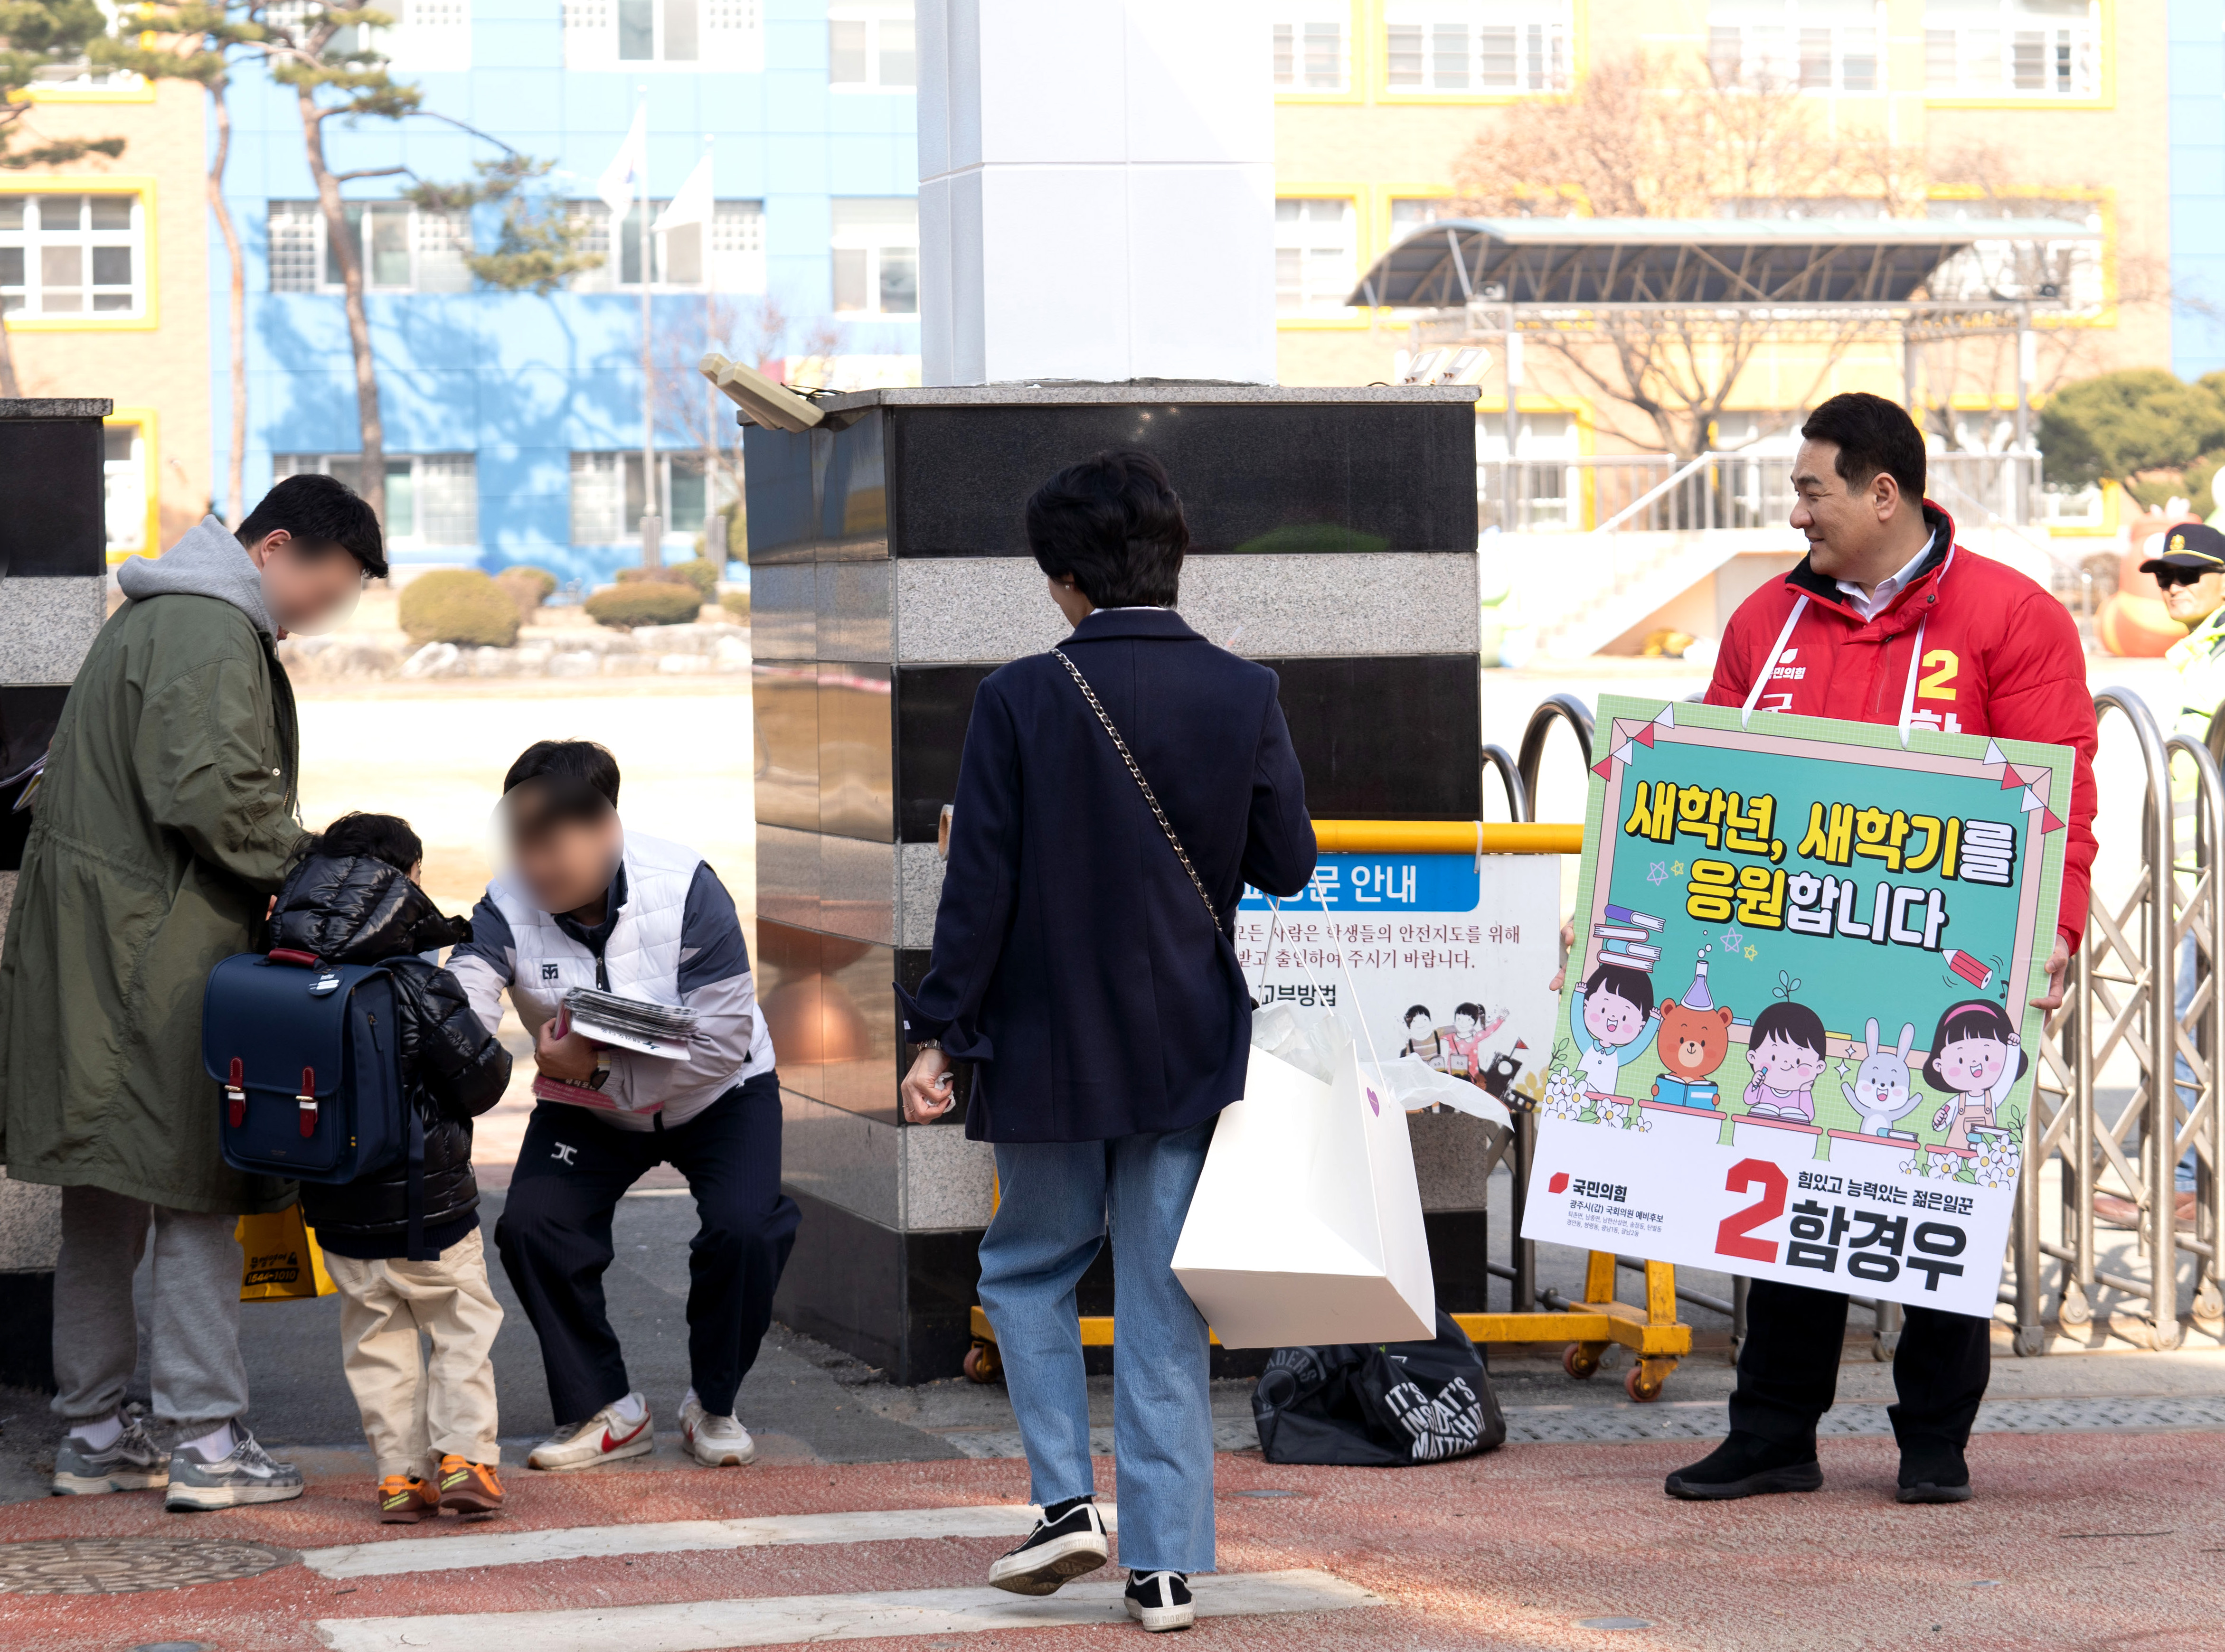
x,y
2190,545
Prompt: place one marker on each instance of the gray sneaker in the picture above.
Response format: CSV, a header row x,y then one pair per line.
x,y
248,1475
130,1463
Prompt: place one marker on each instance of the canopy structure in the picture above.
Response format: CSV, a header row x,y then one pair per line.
x,y
1731,264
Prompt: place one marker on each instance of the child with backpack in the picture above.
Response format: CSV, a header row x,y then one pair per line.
x,y
355,900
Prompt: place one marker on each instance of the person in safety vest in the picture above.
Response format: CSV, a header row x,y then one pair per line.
x,y
1888,620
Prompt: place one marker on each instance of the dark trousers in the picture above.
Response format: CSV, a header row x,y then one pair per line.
x,y
1787,1370
554,1236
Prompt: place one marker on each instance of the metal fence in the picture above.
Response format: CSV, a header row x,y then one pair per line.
x,y
1662,493
2128,1100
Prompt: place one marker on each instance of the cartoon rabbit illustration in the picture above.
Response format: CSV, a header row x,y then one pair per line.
x,y
1882,1090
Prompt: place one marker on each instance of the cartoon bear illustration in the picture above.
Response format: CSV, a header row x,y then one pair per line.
x,y
1695,1038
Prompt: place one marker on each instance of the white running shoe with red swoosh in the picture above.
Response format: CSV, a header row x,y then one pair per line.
x,y
605,1437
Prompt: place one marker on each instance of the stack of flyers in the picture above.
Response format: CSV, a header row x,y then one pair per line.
x,y
659,1029
1628,939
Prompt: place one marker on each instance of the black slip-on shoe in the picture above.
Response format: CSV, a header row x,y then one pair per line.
x,y
1160,1600
1056,1553
1746,1466
1942,1480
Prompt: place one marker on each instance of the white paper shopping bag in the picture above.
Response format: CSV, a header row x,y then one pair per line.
x,y
1306,1227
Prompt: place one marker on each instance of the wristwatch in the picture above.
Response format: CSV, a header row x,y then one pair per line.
x,y
927,1044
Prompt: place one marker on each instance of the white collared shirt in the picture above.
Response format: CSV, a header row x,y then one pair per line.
x,y
1871,603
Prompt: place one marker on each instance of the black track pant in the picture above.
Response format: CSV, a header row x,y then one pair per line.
x,y
554,1236
1788,1371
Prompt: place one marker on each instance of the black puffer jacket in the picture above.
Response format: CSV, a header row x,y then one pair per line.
x,y
351,909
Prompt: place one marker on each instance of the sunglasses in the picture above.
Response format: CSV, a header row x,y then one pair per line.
x,y
2169,576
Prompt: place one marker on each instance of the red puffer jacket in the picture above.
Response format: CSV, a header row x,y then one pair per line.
x,y
2001,656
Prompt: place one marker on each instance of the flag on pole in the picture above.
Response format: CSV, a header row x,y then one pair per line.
x,y
693,204
620,184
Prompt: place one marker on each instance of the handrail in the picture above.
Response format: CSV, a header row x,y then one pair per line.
x,y
1655,492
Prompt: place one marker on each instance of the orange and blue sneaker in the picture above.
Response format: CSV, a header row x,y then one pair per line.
x,y
403,1499
470,1489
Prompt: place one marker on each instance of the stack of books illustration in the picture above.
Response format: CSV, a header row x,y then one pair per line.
x,y
1629,940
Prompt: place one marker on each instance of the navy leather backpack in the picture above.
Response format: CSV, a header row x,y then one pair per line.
x,y
309,1056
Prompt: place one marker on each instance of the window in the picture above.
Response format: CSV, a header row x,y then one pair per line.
x,y
406,250
607,498
1314,267
871,45
1813,45
1476,46
427,35
876,245
737,263
124,455
631,36
432,499
2012,48
71,254
2042,269
1310,47
1408,216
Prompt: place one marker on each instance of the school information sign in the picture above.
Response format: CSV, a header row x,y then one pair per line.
x,y
1795,1040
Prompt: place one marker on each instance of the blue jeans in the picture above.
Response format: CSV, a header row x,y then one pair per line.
x,y
1056,1200
2190,982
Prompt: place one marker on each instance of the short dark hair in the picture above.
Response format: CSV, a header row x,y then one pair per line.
x,y
581,762
323,514
1634,985
1795,1023
381,837
1115,523
1421,1009
1872,434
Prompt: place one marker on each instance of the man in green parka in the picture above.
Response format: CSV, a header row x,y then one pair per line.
x,y
163,825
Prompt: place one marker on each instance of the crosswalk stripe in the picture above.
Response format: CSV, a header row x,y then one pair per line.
x,y
701,1625
396,1557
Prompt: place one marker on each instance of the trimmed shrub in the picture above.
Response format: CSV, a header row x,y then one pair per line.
x,y
527,587
458,605
737,605
644,602
698,574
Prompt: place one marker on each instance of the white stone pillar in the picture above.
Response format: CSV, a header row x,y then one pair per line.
x,y
1097,191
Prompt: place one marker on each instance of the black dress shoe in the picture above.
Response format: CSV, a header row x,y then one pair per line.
x,y
1746,1466
1934,1479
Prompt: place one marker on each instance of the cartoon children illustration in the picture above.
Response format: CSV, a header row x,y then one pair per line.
x,y
1422,1038
1787,1049
1969,1060
1608,1015
1465,1040
1694,1039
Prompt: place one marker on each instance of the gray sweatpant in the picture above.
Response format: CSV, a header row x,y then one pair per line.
x,y
194,1305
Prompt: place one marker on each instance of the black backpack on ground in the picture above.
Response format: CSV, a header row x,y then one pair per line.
x,y
1377,1405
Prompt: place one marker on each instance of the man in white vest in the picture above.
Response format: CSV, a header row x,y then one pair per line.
x,y
587,904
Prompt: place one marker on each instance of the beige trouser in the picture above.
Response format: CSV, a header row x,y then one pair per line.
x,y
413,1413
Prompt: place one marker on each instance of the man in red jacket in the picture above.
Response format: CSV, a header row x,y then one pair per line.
x,y
1889,621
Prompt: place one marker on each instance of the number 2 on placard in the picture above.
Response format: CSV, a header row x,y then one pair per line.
x,y
1734,1238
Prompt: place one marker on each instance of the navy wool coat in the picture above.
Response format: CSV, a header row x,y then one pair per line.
x,y
1073,963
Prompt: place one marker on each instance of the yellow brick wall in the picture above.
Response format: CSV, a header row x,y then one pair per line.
x,y
162,371
1373,148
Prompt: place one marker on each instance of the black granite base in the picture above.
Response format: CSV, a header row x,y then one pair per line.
x,y
26,1352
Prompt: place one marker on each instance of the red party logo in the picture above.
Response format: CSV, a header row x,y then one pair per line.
x,y
1559,1183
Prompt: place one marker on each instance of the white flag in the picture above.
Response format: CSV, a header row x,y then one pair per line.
x,y
693,204
620,184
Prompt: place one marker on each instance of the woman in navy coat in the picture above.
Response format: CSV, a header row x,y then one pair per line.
x,y
1090,979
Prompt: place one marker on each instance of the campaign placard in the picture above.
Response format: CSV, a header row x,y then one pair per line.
x,y
1448,955
1795,1040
